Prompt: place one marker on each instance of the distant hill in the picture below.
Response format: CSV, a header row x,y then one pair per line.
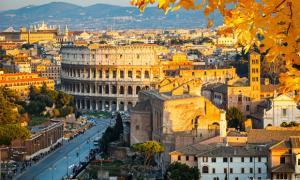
x,y
102,16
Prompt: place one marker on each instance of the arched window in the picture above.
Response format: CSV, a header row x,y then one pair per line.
x,y
121,89
138,74
129,90
147,76
204,169
114,89
106,89
138,88
129,106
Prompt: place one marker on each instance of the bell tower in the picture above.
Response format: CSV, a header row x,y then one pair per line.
x,y
254,75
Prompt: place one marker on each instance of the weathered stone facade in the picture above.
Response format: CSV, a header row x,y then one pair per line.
x,y
109,77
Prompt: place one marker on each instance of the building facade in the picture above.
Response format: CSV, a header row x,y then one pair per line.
x,y
21,82
108,78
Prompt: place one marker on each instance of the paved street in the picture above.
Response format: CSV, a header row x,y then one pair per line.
x,y
55,165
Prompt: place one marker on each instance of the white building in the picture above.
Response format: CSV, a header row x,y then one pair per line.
x,y
22,67
233,163
282,109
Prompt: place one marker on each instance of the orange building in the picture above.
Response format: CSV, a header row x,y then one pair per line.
x,y
21,82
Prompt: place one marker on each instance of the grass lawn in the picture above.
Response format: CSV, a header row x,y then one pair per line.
x,y
37,120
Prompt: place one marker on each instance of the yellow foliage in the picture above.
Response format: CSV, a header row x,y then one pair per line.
x,y
277,21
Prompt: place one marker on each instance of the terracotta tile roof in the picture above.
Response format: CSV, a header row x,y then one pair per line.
x,y
193,149
269,88
24,80
263,136
283,168
233,151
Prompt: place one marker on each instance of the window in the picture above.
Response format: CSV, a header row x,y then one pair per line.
x,y
283,112
282,160
251,170
231,159
130,74
259,178
100,74
247,108
213,170
242,159
106,89
213,159
179,158
114,89
114,74
204,169
251,159
231,170
121,89
204,159
242,170
137,127
225,159
187,158
138,74
298,162
137,90
240,98
259,159
147,76
216,178
107,74
236,178
129,90
195,158
259,170
122,74
225,170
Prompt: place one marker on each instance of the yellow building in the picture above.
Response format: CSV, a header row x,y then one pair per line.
x,y
21,82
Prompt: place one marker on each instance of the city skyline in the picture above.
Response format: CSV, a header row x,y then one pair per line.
x,y
15,4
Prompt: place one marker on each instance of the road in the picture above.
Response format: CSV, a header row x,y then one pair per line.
x,y
57,164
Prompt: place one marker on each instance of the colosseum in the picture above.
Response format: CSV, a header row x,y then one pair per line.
x,y
108,78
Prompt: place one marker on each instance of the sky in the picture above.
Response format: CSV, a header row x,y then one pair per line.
x,y
14,4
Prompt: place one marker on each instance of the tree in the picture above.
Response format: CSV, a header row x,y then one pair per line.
x,y
284,124
270,25
118,128
235,118
148,149
10,119
106,139
43,89
179,171
8,112
33,92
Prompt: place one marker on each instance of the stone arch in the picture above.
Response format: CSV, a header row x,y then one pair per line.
x,y
129,106
137,89
121,106
106,106
147,74
106,89
122,90
114,89
205,169
113,106
129,90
